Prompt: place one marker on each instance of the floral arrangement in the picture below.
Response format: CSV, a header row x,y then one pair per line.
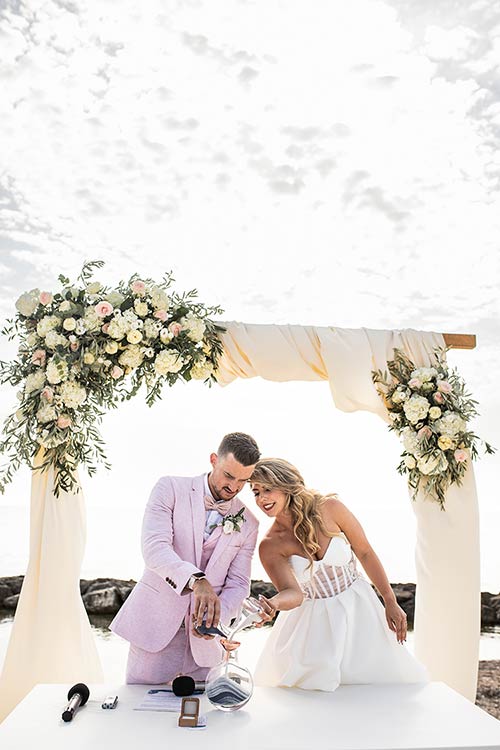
x,y
85,348
429,410
231,522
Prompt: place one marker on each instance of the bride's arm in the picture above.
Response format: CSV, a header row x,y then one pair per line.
x,y
282,576
335,512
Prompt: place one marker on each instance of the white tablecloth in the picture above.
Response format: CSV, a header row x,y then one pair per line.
x,y
364,717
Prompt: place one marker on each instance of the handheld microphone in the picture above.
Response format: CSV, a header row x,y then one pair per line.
x,y
78,696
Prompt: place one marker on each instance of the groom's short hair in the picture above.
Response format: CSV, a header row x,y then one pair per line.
x,y
242,446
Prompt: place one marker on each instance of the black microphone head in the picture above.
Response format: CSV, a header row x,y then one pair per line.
x,y
183,685
82,690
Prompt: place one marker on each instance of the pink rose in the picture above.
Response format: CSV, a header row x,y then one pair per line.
x,y
103,309
45,298
438,398
415,383
460,456
48,394
138,287
175,328
39,357
74,345
116,372
161,315
444,386
105,327
63,421
424,432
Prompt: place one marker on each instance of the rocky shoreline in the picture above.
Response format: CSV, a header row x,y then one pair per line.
x,y
103,597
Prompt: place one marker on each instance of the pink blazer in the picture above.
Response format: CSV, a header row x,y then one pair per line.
x,y
172,540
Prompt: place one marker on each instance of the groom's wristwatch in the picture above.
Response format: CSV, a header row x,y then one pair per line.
x,y
195,577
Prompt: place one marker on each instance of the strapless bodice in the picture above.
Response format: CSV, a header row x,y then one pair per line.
x,y
331,575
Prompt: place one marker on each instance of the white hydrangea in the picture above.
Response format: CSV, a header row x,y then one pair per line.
x,y
34,382
91,320
72,394
118,328
450,424
132,357
416,408
46,413
46,324
53,339
201,370
195,327
57,371
115,299
168,361
410,441
94,287
433,463
159,298
151,328
28,302
424,373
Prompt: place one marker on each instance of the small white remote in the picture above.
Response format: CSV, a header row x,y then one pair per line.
x,y
110,701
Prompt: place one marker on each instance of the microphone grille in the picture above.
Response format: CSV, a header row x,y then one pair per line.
x,y
82,689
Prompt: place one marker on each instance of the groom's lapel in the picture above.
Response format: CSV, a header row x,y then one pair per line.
x,y
198,515
225,540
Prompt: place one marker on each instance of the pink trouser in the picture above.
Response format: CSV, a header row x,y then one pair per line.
x,y
147,668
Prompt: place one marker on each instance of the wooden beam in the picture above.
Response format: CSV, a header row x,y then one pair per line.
x,y
460,340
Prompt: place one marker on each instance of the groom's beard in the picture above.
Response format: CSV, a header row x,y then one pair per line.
x,y
219,494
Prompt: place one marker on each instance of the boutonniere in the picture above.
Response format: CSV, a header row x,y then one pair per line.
x,y
232,522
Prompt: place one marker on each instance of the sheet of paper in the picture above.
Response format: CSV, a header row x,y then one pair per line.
x,y
159,699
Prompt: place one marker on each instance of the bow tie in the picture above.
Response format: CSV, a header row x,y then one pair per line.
x,y
222,507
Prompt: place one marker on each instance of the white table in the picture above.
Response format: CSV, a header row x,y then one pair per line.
x,y
365,717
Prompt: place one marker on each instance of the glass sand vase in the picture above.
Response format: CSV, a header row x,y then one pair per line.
x,y
229,686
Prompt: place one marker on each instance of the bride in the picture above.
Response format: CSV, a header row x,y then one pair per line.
x,y
333,630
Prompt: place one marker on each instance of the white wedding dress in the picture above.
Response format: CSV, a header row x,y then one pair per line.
x,y
338,635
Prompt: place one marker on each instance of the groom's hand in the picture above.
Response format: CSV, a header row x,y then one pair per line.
x,y
206,604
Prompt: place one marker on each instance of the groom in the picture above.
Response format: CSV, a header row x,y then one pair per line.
x,y
195,568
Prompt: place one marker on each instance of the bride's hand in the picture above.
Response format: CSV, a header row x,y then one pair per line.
x,y
269,611
396,619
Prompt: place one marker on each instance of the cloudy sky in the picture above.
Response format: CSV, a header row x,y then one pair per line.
x,y
329,164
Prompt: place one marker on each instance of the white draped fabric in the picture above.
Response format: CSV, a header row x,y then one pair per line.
x,y
51,640
447,612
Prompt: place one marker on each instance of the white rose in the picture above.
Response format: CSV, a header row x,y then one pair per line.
x,y
416,408
434,463
32,339
65,306
445,442
111,347
88,358
134,336
434,412
227,527
28,302
69,324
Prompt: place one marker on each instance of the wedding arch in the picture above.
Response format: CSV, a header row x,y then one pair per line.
x,y
86,347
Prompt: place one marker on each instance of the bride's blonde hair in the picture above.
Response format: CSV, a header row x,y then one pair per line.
x,y
304,504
